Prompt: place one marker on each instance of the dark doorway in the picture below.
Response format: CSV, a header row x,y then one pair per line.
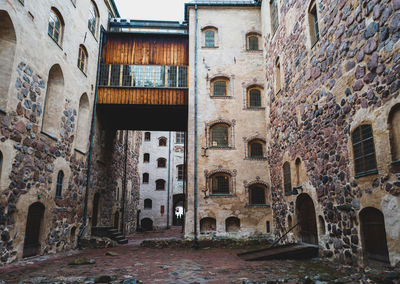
x,y
116,220
179,212
147,224
95,211
32,232
373,234
307,230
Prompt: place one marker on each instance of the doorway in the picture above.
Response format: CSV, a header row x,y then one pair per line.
x,y
116,220
33,227
147,224
307,231
179,212
373,235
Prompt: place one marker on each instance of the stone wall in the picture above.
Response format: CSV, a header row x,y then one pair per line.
x,y
349,77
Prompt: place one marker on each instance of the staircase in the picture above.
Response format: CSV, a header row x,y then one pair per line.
x,y
288,251
111,233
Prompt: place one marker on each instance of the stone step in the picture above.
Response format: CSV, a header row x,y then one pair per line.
x,y
123,241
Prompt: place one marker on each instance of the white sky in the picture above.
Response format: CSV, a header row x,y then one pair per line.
x,y
168,10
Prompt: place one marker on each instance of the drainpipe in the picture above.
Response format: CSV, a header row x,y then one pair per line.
x,y
124,184
91,142
169,175
184,181
196,243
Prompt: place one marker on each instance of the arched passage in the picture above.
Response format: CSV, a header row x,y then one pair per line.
x,y
373,234
178,210
232,224
307,231
33,228
208,224
146,224
8,43
54,101
95,211
83,127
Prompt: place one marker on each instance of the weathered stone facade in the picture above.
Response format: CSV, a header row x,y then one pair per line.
x,y
44,174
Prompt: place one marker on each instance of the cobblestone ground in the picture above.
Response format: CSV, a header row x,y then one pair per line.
x,y
130,262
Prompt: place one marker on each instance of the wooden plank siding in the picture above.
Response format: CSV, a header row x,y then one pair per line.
x,y
145,50
145,96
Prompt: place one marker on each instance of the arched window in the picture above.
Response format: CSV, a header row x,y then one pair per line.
x,y
160,184
394,130
145,178
54,101
232,224
273,6
181,172
253,41
148,204
56,26
277,76
93,18
298,164
254,98
210,37
313,23
1,163
257,195
146,157
220,183
287,178
83,124
208,225
8,43
321,222
82,59
364,150
289,221
162,141
147,136
220,135
256,149
161,163
59,185
219,87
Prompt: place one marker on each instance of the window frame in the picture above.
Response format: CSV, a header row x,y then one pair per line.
x,y
180,172
56,15
145,178
274,15
149,203
180,137
59,184
146,158
259,142
147,136
313,23
287,178
220,125
216,175
251,189
206,30
93,28
162,142
249,90
216,80
362,142
160,184
253,35
161,163
82,59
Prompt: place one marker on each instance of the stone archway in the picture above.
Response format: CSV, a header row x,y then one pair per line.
x,y
373,234
306,219
178,210
146,224
33,228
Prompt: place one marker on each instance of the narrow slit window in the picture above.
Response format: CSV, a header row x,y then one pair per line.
x,y
274,15
287,178
60,179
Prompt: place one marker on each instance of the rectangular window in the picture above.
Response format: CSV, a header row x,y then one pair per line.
x,y
182,83
149,73
220,88
115,75
180,172
127,72
162,210
172,76
364,150
209,38
220,184
180,137
274,15
104,74
138,75
160,76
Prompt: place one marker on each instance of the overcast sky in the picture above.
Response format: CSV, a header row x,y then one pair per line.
x,y
170,10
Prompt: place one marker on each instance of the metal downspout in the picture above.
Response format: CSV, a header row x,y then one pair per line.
x,y
124,183
91,142
196,244
169,175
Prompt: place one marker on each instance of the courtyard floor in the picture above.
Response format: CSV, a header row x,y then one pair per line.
x,y
130,262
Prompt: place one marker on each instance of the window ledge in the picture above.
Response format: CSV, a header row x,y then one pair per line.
x,y
142,87
221,97
80,151
395,163
256,158
258,206
160,189
222,195
48,135
254,51
254,108
364,174
209,47
221,148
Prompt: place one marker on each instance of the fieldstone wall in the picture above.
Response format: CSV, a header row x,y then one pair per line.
x,y
351,76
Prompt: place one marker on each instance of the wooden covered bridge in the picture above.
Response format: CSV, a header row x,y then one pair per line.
x,y
143,80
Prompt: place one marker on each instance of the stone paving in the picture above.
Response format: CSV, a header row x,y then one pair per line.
x,y
131,262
